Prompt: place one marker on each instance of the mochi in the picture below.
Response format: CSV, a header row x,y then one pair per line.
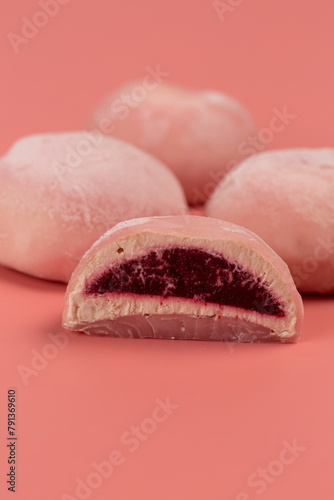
x,y
198,134
183,277
287,198
60,192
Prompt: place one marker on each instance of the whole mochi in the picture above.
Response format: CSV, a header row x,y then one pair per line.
x,y
198,134
60,192
287,198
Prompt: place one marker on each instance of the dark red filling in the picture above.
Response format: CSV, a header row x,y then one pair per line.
x,y
190,273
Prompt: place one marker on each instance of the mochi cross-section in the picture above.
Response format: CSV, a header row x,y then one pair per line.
x,y
183,277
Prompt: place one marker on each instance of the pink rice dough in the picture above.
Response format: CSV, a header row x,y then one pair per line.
x,y
60,192
287,198
183,277
198,134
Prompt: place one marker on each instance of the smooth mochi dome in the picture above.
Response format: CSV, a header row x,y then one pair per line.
x,y
184,277
287,198
60,192
199,135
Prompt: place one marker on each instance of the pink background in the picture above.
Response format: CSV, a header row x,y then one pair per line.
x,y
237,404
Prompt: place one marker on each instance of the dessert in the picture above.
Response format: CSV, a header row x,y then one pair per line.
x,y
184,277
198,134
60,192
286,197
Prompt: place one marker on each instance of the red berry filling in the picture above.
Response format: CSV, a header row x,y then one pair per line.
x,y
190,273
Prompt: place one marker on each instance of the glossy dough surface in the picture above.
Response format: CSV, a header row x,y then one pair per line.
x,y
183,277
60,192
197,134
287,198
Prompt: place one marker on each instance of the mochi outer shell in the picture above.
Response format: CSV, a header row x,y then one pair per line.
x,y
198,134
287,198
60,192
117,314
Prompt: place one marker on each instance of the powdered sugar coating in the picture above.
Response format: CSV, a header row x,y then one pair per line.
x,y
196,134
60,192
286,197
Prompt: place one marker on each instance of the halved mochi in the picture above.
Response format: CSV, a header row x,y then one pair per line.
x,y
184,277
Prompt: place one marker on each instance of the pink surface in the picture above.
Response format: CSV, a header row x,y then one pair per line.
x,y
238,405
